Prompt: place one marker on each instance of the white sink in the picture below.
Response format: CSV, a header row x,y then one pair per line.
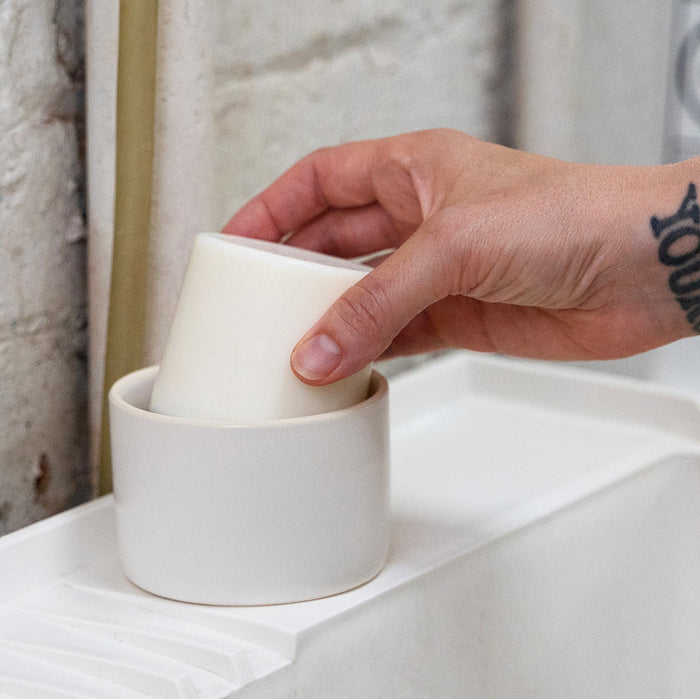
x,y
599,599
545,544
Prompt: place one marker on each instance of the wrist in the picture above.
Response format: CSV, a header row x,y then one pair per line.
x,y
677,236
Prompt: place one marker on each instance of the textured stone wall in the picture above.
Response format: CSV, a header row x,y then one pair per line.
x,y
575,79
316,73
43,465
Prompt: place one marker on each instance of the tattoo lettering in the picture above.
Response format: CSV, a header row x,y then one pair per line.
x,y
679,248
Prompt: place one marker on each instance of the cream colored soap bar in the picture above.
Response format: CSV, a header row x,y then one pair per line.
x,y
243,307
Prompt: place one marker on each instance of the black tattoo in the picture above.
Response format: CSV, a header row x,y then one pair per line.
x,y
679,247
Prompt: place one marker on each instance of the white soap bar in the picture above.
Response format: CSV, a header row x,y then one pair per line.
x,y
243,306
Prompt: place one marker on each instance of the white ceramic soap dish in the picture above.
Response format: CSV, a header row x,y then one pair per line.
x,y
280,511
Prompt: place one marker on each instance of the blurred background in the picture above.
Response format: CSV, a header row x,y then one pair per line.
x,y
243,90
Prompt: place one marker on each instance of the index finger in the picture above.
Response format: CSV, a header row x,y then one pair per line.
x,y
335,177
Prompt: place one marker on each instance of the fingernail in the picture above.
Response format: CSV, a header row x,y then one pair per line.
x,y
316,358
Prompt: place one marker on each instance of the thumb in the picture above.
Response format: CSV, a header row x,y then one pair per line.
x,y
362,323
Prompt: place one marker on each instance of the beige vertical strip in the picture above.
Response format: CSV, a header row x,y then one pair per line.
x,y
136,83
101,56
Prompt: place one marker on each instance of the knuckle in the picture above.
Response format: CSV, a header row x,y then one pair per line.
x,y
363,309
319,152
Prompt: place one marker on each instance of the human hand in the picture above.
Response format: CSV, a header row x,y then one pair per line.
x,y
494,250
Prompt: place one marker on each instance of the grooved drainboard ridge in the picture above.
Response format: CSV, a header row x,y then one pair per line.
x,y
84,642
